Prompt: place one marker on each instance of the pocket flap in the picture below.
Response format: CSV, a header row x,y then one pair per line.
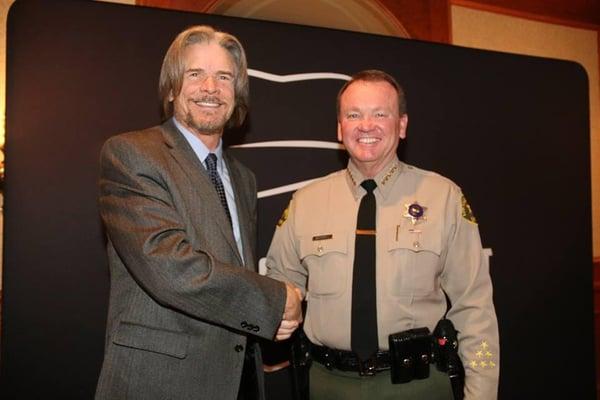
x,y
321,244
156,340
423,241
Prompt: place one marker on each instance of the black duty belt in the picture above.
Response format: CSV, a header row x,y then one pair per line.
x,y
349,361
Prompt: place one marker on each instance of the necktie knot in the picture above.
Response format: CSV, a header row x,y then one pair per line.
x,y
211,162
369,185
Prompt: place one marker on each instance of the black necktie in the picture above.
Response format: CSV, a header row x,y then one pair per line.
x,y
211,166
364,339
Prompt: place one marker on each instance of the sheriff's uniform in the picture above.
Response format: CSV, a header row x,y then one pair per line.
x,y
427,243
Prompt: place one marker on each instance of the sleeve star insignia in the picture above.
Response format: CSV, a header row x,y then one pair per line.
x,y
483,357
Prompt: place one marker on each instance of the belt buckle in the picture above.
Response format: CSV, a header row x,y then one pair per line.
x,y
367,367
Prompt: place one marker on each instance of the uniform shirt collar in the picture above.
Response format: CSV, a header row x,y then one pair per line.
x,y
385,178
200,148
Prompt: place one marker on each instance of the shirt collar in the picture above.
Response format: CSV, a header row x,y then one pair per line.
x,y
199,147
385,178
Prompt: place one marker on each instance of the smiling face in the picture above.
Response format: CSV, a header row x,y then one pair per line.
x,y
370,125
207,99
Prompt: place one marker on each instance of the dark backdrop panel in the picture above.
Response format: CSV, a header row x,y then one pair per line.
x,y
513,131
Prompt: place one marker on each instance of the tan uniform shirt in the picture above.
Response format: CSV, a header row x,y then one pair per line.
x,y
417,260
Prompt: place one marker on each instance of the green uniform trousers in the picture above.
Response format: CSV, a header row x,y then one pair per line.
x,y
333,384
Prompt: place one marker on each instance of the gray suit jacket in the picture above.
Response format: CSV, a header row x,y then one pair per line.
x,y
181,302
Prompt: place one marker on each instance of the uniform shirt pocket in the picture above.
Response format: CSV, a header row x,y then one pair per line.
x,y
325,256
414,262
156,340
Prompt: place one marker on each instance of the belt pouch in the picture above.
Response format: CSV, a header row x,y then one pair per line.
x,y
410,353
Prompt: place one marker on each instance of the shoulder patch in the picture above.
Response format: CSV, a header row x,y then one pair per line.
x,y
284,216
467,213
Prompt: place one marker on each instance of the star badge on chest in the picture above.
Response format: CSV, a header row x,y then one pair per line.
x,y
415,213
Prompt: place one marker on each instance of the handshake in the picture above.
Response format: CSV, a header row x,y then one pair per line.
x,y
292,314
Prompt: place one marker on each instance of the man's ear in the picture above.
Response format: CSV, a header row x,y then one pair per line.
x,y
402,125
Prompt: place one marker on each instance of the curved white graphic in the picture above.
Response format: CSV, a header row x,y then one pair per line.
x,y
283,189
298,144
296,77
311,144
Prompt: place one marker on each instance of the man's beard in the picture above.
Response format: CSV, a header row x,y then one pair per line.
x,y
212,126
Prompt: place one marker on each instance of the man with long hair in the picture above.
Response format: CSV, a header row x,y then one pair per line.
x,y
180,216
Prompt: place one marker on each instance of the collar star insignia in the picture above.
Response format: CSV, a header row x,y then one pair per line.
x,y
415,213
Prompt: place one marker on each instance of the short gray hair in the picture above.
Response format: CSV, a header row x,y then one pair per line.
x,y
375,75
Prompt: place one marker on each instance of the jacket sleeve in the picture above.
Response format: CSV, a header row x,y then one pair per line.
x,y
466,280
149,234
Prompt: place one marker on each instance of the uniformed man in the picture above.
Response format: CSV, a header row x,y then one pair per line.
x,y
376,248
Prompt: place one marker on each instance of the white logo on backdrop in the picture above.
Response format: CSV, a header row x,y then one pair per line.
x,y
298,144
310,76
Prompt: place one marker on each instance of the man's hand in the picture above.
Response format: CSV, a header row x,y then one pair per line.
x,y
292,314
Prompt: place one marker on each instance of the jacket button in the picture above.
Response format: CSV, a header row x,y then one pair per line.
x,y
238,348
244,324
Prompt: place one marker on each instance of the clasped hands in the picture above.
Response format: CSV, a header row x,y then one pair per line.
x,y
292,314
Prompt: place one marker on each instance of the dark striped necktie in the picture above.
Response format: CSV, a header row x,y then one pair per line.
x,y
211,167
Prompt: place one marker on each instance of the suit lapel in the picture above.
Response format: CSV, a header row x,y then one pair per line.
x,y
243,210
183,154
